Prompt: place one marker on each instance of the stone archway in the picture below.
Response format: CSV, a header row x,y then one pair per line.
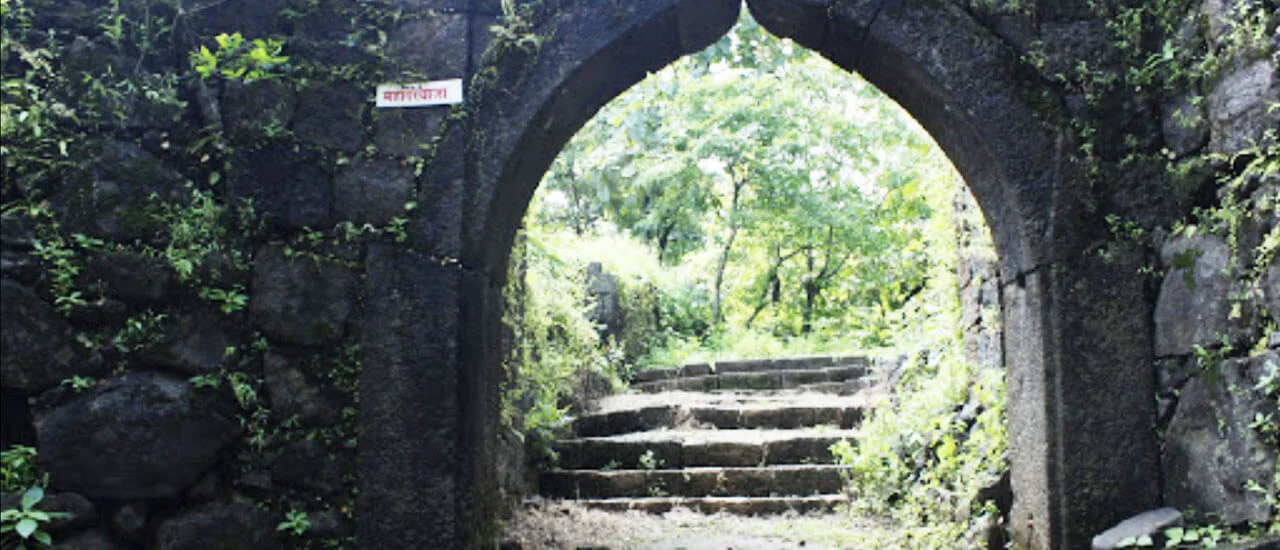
x,y
1077,325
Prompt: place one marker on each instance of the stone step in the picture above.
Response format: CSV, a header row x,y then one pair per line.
x,y
788,480
756,380
781,415
751,365
669,449
745,506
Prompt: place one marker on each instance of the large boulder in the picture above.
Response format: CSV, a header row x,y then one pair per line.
x,y
38,349
1240,107
1193,308
143,435
1211,452
218,526
301,301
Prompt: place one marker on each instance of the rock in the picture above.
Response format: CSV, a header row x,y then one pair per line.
x,y
129,276
194,344
16,425
306,464
603,290
126,181
290,189
330,115
1211,453
130,521
216,527
328,524
1272,289
1146,523
1239,114
293,395
372,192
17,239
38,348
140,436
301,301
96,539
257,110
1182,120
1192,308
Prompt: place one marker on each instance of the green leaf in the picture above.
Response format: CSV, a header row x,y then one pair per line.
x,y
32,497
25,527
43,538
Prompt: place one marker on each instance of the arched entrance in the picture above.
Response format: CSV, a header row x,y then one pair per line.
x,y
1077,325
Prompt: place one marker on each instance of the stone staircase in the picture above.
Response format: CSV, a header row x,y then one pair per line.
x,y
746,437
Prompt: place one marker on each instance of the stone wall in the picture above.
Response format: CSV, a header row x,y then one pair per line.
x,y
189,372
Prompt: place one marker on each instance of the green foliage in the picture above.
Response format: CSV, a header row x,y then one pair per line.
x,y
229,300
296,523
18,469
558,354
26,521
237,58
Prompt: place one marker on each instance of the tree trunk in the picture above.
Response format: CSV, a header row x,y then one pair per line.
x,y
717,315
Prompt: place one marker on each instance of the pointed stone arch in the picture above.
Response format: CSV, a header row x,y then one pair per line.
x,y
1076,325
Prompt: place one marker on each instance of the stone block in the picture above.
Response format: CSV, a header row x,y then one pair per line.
x,y
217,526
38,348
331,116
1192,308
1146,523
1183,122
1211,453
291,189
373,191
1239,107
301,301
166,435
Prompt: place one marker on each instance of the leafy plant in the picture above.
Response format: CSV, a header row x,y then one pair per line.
x,y
237,58
229,300
296,522
18,469
26,521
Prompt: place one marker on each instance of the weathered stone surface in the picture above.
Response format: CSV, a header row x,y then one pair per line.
x,y
307,465
38,349
448,56
129,521
290,188
129,276
126,180
96,539
195,343
216,527
406,132
143,435
1192,308
1146,523
1273,288
1239,104
292,394
300,301
1210,450
263,108
17,237
330,116
1182,120
373,192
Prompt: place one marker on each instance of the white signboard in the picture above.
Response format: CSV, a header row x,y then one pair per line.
x,y
420,94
